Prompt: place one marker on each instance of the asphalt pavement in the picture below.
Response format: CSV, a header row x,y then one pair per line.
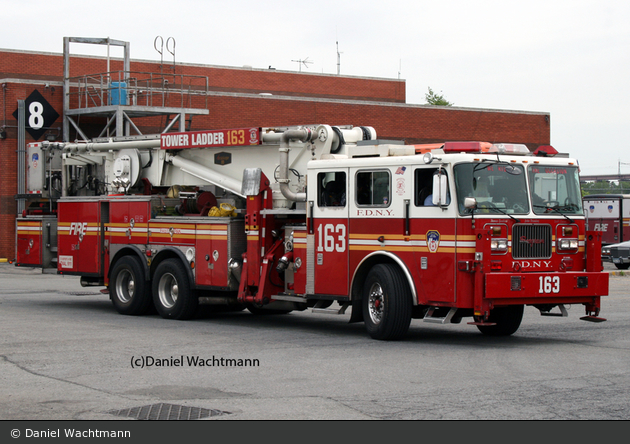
x,y
66,354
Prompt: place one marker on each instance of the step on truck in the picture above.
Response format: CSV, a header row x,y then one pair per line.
x,y
321,218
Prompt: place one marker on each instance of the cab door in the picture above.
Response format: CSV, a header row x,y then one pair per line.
x,y
330,232
435,239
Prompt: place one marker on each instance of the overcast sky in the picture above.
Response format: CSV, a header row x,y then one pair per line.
x,y
570,58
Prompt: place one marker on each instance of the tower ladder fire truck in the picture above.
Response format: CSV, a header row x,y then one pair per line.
x,y
316,217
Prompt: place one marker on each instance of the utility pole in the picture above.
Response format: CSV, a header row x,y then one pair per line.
x,y
619,163
338,59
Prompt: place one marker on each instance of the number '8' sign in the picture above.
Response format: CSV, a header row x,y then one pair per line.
x,y
39,115
36,118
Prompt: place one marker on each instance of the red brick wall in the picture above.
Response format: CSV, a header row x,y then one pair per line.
x,y
414,124
8,177
50,66
327,99
10,93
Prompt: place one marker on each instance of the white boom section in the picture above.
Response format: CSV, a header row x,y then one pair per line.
x,y
205,174
282,156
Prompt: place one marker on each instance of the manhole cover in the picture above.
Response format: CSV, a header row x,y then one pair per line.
x,y
167,412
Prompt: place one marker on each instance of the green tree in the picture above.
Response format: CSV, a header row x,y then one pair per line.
x,y
433,98
605,187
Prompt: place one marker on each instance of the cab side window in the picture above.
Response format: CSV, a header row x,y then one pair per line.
x,y
373,188
331,189
423,186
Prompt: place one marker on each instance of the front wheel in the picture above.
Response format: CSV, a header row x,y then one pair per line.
x,y
172,293
387,303
622,266
128,290
507,319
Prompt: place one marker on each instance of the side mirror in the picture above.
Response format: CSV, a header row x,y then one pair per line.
x,y
440,190
470,203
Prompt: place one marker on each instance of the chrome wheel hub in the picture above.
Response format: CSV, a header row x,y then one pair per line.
x,y
168,290
376,303
125,286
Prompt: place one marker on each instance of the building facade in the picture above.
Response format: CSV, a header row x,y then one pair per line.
x,y
217,97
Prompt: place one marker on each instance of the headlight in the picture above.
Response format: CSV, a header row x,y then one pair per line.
x,y
568,244
499,245
190,254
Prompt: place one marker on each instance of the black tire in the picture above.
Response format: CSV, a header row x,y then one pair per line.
x,y
173,296
387,303
622,266
128,289
508,320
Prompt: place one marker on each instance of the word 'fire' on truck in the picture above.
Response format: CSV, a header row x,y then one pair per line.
x,y
296,218
610,214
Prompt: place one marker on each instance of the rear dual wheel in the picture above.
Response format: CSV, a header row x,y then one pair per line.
x,y
128,289
172,293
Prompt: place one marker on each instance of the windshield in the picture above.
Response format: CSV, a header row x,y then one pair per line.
x,y
555,189
497,187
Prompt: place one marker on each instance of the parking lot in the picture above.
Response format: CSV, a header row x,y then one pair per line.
x,y
66,354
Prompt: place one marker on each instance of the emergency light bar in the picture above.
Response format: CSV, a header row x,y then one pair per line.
x,y
485,148
509,148
545,151
467,147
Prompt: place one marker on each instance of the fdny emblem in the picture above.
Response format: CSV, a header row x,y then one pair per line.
x,y
433,240
400,186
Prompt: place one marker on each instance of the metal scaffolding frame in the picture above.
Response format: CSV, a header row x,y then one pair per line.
x,y
121,96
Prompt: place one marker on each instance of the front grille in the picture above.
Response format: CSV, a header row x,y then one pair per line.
x,y
622,252
531,241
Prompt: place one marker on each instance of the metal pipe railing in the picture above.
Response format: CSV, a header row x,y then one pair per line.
x,y
155,90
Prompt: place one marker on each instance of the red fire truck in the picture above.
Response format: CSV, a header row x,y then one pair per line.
x,y
317,217
610,214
